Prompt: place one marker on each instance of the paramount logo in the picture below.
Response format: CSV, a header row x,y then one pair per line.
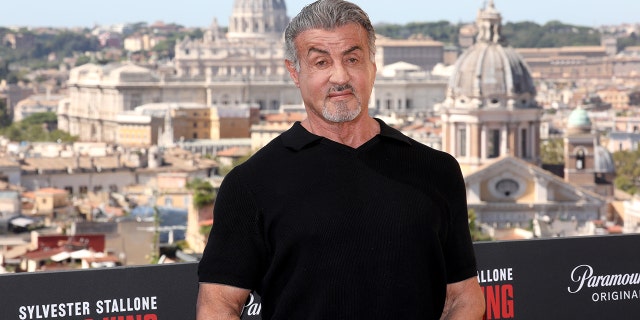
x,y
583,275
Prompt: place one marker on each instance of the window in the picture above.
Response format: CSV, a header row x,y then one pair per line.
x,y
580,158
409,104
507,187
523,143
461,141
493,145
136,100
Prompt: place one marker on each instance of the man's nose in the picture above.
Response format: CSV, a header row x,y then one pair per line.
x,y
339,74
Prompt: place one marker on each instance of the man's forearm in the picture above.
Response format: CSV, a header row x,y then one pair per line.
x,y
464,301
220,302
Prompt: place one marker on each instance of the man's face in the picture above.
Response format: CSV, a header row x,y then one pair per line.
x,y
336,73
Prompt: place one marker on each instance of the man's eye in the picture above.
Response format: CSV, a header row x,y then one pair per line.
x,y
321,63
352,60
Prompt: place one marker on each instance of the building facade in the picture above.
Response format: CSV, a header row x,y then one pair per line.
x,y
243,66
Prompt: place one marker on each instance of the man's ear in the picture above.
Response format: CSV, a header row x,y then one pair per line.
x,y
293,73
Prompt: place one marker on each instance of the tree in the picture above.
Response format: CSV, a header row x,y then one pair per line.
x,y
442,31
476,233
41,118
627,163
34,128
5,118
84,59
553,34
552,151
203,192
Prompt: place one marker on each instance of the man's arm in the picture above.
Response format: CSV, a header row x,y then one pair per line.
x,y
220,302
464,301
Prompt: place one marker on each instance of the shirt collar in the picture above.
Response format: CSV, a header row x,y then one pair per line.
x,y
298,137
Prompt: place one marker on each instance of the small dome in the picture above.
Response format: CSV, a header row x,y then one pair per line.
x,y
579,121
603,160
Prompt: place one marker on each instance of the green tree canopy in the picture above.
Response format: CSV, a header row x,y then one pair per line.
x,y
552,151
203,192
627,163
35,129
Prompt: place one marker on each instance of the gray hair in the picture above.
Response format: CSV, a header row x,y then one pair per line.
x,y
326,15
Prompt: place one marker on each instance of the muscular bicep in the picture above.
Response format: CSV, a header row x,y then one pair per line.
x,y
220,302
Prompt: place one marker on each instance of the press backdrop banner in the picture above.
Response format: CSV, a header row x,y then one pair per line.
x,y
561,278
132,293
570,278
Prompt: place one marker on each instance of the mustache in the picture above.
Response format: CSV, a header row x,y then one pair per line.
x,y
342,87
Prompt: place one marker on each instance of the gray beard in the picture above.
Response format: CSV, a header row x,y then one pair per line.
x,y
341,112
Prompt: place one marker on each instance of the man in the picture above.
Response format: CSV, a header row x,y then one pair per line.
x,y
341,217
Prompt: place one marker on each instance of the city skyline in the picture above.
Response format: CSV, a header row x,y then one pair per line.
x,y
200,13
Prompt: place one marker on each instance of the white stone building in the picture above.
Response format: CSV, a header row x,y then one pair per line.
x,y
243,66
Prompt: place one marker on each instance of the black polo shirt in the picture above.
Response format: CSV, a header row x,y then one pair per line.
x,y
325,231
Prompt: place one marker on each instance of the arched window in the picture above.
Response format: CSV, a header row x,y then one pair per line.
x,y
580,158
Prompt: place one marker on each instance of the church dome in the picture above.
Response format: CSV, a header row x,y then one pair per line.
x,y
490,73
603,160
579,121
258,19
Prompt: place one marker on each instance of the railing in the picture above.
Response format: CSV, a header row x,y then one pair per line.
x,y
568,278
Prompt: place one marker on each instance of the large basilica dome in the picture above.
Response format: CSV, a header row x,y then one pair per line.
x,y
490,110
258,19
490,73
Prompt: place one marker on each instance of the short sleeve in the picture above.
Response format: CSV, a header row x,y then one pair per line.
x,y
235,252
459,254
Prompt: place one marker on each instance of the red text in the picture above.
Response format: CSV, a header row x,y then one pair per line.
x,y
499,302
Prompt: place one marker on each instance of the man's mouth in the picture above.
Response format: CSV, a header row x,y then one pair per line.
x,y
339,94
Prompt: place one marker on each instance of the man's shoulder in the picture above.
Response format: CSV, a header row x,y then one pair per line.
x,y
423,150
275,149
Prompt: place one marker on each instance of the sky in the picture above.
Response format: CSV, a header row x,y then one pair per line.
x,y
200,13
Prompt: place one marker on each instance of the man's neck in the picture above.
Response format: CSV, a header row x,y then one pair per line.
x,y
352,133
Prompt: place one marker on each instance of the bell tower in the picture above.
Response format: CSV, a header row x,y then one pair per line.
x,y
587,164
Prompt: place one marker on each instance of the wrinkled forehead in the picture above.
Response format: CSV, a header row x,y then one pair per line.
x,y
347,37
